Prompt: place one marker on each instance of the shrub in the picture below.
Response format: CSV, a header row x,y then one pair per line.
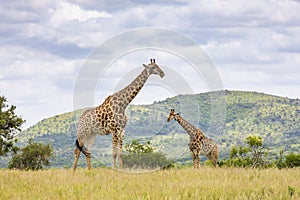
x,y
143,156
32,157
292,160
247,156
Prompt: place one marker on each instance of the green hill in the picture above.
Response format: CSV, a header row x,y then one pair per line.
x,y
226,119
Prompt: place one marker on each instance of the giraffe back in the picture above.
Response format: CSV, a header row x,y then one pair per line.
x,y
98,120
200,142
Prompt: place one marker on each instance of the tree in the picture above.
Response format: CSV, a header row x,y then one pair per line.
x,y
32,157
10,126
250,155
255,143
239,157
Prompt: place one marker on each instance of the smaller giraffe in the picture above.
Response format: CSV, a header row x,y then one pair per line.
x,y
199,143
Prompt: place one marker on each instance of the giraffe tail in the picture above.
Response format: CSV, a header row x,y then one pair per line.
x,y
78,146
82,148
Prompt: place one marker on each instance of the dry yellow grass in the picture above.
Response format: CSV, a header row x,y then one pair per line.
x,y
206,183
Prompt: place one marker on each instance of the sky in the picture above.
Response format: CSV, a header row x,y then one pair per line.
x,y
46,45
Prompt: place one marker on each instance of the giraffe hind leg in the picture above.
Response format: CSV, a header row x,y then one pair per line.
x,y
87,156
88,160
78,146
77,151
213,156
88,149
77,154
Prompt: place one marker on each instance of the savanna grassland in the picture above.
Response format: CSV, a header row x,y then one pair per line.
x,y
187,183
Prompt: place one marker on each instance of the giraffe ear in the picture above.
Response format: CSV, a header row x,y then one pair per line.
x,y
177,113
145,65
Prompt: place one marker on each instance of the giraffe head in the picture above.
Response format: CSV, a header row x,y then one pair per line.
x,y
172,115
153,68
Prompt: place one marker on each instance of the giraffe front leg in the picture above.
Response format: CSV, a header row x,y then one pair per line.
x,y
195,163
197,159
195,154
120,143
194,158
115,149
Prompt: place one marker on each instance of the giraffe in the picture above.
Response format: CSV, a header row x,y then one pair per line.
x,y
199,143
110,118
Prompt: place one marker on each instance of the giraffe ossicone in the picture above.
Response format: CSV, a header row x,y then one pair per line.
x,y
110,118
199,144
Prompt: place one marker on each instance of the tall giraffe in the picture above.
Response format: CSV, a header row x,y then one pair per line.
x,y
110,118
199,143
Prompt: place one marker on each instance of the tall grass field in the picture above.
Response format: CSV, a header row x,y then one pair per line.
x,y
187,183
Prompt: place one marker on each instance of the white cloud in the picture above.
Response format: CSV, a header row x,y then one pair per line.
x,y
67,11
38,83
26,63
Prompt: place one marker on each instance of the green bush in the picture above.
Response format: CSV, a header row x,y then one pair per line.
x,y
32,157
247,156
254,156
143,156
292,160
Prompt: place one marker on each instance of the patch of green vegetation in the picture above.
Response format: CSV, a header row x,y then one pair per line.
x,y
275,119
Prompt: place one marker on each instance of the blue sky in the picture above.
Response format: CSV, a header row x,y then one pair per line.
x,y
255,46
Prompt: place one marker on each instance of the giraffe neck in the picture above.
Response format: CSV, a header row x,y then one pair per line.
x,y
189,128
126,95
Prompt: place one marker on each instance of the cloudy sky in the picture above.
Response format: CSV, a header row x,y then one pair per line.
x,y
44,45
